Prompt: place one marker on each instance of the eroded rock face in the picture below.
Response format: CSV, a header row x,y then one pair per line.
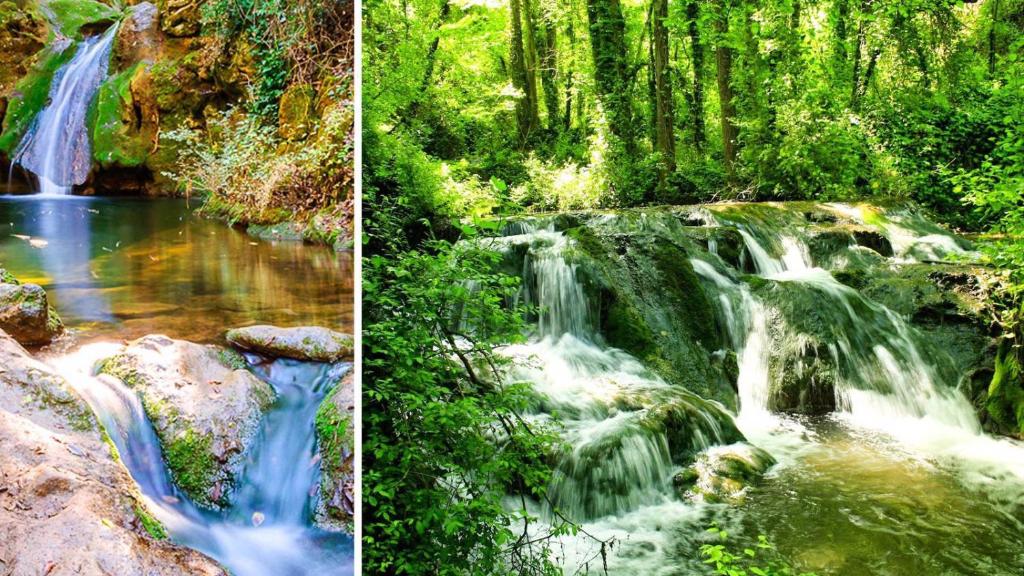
x,y
312,343
335,434
139,37
25,313
204,405
22,35
723,473
180,17
66,506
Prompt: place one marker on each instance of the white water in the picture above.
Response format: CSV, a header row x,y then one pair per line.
x,y
266,532
887,386
56,149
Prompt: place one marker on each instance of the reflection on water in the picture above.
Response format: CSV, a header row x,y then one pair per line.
x,y
130,267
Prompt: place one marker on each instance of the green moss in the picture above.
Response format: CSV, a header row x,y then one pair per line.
x,y
151,525
190,459
588,242
232,359
122,368
72,15
29,97
1005,402
336,439
116,141
625,328
685,294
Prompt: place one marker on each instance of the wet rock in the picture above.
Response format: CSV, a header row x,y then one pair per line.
x,y
806,383
336,441
690,423
204,405
296,112
25,313
66,505
723,473
311,343
39,385
874,241
139,37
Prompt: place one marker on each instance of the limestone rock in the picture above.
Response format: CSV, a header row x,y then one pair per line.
x,y
139,37
312,343
336,437
723,473
22,35
66,506
25,313
204,405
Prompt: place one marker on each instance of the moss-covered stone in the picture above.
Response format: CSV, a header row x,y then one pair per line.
x,y
336,437
72,16
122,134
30,95
151,525
1004,404
23,32
189,456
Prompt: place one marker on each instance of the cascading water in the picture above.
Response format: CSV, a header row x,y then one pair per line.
x,y
898,412
56,149
266,532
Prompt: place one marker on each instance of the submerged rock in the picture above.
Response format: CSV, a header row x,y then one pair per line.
x,y
723,473
25,313
336,437
312,343
204,405
66,505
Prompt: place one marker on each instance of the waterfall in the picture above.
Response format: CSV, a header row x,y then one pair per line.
x,y
614,411
266,531
56,149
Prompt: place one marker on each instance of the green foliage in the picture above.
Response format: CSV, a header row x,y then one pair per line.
x,y
443,441
760,560
30,96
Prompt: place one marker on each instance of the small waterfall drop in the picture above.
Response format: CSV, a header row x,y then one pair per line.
x,y
56,149
266,531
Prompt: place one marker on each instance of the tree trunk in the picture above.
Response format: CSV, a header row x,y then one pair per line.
x,y
525,112
570,33
428,71
608,46
697,57
992,39
549,74
530,52
663,104
858,54
723,63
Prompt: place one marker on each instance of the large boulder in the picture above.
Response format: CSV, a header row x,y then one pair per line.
x,y
204,405
139,38
310,343
67,507
180,18
25,312
336,437
723,473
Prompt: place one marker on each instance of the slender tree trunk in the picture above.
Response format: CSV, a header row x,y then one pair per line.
x,y
858,54
723,64
530,52
525,118
571,35
697,57
992,39
608,46
428,71
549,74
664,112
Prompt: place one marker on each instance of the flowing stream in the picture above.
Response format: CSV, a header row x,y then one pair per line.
x,y
118,269
898,479
266,531
56,149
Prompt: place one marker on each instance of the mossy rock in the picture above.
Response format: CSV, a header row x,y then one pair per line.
x,y
722,474
30,95
25,312
23,33
336,440
74,17
122,128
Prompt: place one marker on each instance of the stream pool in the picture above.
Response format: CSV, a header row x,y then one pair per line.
x,y
124,268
